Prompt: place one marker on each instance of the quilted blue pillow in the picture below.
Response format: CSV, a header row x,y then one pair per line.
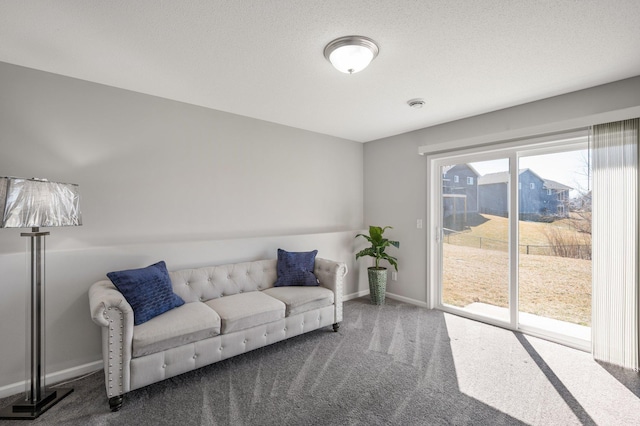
x,y
296,268
148,291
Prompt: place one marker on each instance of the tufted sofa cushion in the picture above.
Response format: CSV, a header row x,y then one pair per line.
x,y
185,324
203,284
246,310
301,299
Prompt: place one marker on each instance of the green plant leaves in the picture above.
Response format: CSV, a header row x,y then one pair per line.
x,y
378,246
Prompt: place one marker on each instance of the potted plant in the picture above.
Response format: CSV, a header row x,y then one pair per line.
x,y
378,274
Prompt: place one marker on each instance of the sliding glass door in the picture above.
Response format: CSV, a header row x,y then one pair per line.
x,y
554,231
475,238
511,237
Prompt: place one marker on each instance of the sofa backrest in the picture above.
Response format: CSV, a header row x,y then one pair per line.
x,y
203,284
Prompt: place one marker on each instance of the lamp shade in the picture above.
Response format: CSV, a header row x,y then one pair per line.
x,y
351,54
29,203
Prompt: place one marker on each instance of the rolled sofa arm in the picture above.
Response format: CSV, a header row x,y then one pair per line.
x,y
331,275
103,295
111,311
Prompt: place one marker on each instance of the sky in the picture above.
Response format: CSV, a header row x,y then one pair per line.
x,y
569,168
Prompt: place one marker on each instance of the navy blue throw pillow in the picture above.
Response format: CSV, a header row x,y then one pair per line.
x,y
148,291
296,268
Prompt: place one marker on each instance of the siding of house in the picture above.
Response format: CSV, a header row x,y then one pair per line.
x,y
533,199
547,198
493,198
462,187
538,197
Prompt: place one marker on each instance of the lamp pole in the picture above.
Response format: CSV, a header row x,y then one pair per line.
x,y
39,399
35,203
37,315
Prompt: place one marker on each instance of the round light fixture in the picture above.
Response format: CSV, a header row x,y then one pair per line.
x,y
351,54
416,103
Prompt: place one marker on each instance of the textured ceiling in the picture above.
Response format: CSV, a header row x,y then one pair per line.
x,y
264,58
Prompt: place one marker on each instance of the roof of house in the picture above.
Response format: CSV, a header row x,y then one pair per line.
x,y
503,177
447,169
552,184
490,178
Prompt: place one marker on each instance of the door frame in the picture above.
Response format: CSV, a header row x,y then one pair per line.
x,y
513,150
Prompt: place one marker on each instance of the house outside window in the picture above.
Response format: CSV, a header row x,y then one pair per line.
x,y
456,179
469,180
549,192
532,185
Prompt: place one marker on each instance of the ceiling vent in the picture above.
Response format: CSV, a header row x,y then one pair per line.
x,y
416,103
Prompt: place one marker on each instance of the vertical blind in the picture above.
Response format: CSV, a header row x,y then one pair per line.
x,y
615,298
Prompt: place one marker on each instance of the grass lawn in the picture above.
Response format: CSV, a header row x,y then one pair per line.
x,y
550,286
493,234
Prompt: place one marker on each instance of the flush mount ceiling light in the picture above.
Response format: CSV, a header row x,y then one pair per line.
x,y
351,54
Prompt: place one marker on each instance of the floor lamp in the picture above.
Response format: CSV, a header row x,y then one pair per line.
x,y
35,203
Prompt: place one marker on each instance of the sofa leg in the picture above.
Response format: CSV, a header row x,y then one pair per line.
x,y
336,326
115,403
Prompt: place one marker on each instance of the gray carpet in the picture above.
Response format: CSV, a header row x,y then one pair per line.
x,y
394,364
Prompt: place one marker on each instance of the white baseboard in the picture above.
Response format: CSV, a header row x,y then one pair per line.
x,y
53,378
407,300
389,295
355,295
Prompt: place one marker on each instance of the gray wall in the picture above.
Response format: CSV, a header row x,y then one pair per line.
x,y
394,195
396,187
159,180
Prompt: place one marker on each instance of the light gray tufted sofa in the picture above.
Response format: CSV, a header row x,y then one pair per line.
x,y
228,310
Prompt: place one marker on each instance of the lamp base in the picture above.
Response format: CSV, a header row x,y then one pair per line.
x,y
25,410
